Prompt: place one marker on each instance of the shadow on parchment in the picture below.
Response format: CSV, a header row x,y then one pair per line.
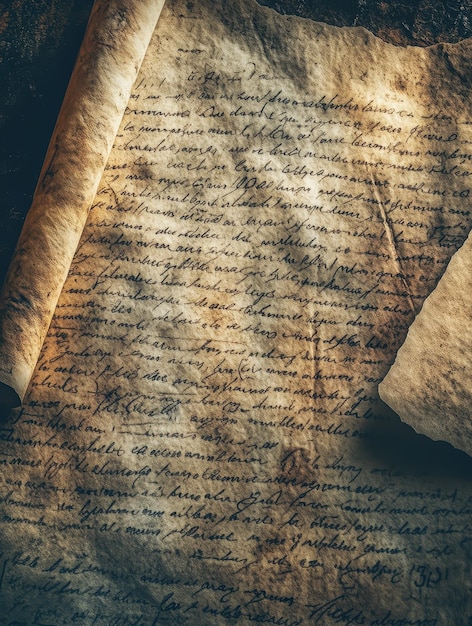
x,y
392,443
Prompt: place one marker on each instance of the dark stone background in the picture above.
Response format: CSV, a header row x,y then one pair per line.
x,y
39,40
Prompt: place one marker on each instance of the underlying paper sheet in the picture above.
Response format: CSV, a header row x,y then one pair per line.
x,y
202,441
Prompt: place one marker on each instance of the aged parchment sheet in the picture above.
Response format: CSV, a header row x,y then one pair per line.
x,y
202,441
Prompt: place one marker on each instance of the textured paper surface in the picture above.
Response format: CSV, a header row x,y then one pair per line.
x,y
116,40
203,441
429,383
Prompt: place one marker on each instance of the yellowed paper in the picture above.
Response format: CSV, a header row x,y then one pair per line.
x,y
429,383
116,40
203,441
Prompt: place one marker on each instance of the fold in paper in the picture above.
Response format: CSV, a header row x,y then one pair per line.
x,y
429,383
117,37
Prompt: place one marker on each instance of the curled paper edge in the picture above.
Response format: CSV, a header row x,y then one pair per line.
x,y
428,385
115,42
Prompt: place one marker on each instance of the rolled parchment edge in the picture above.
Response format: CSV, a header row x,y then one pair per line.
x,y
115,42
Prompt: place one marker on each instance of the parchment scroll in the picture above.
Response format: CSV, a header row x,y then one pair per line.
x,y
202,441
117,37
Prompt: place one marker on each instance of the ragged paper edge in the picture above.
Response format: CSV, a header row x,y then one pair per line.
x,y
429,384
117,37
